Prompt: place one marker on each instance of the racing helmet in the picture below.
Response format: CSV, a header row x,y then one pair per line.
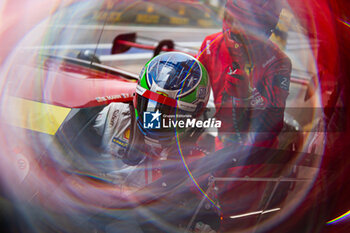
x,y
172,85
251,18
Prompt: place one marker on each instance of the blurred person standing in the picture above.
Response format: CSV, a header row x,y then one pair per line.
x,y
250,75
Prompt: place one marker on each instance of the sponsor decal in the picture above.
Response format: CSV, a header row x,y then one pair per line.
x,y
179,20
202,93
205,23
109,16
113,97
257,100
208,47
114,116
162,93
282,82
22,164
248,68
126,134
147,18
234,73
150,9
126,113
233,70
230,72
269,61
120,142
182,10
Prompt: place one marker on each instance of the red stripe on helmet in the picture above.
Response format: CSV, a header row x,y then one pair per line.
x,y
160,98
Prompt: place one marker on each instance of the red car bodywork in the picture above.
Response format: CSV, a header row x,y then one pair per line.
x,y
64,83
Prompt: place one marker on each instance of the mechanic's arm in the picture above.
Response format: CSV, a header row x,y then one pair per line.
x,y
277,79
273,92
267,100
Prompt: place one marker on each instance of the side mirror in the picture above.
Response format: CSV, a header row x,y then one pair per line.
x,y
164,43
119,46
88,55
